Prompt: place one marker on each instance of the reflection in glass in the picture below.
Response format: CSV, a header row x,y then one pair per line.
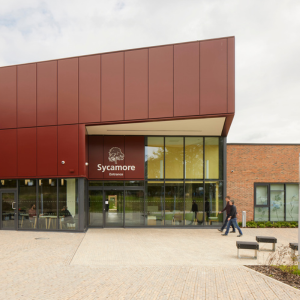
x,y
194,157
292,202
154,157
47,200
174,203
261,195
8,213
8,184
95,183
134,208
68,204
261,214
134,183
114,208
27,204
95,208
276,202
154,203
194,212
213,203
174,157
212,158
114,183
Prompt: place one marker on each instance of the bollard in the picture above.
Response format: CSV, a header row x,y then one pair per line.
x,y
244,219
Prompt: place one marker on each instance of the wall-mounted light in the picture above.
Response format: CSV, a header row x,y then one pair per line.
x,y
63,162
86,163
231,171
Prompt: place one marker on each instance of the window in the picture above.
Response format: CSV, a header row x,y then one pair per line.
x,y
276,202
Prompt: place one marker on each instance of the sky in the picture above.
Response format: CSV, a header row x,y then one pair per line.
x,y
267,46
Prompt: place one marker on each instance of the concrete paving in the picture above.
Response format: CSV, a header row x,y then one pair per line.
x,y
135,264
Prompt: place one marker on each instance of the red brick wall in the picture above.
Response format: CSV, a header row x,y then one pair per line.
x,y
258,163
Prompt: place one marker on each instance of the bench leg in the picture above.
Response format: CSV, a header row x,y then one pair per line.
x,y
274,247
249,257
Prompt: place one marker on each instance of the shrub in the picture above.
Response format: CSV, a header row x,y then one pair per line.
x,y
262,225
292,226
277,225
240,224
269,224
252,225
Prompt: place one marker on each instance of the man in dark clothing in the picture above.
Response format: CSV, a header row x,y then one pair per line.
x,y
232,219
227,208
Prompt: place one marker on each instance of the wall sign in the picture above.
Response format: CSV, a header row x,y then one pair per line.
x,y
116,157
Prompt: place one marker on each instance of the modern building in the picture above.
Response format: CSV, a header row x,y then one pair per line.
x,y
134,138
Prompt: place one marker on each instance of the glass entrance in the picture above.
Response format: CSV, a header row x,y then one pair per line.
x,y
96,208
113,207
9,210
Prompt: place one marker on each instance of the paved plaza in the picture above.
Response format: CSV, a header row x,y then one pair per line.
x,y
135,264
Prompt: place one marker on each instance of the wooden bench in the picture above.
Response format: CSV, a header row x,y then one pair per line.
x,y
294,247
249,246
269,240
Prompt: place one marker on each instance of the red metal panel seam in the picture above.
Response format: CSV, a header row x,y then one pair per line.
x,y
100,88
17,106
78,168
148,85
57,117
78,148
199,79
227,74
124,85
36,134
173,84
17,173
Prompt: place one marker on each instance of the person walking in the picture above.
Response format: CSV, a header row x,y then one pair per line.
x,y
195,210
232,219
227,208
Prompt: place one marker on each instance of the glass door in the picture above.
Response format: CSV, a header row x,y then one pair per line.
x,y
9,210
96,208
113,207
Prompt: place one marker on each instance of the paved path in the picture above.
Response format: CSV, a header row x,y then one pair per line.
x,y
134,264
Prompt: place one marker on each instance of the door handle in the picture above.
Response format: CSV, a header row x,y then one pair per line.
x,y
12,205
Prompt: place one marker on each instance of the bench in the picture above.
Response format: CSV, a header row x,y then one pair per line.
x,y
269,240
248,246
213,219
294,247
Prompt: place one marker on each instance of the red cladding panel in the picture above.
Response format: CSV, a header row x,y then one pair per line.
x,y
231,75
213,77
95,156
27,152
116,142
27,95
134,155
47,93
8,97
8,153
186,79
161,82
47,151
89,89
68,91
136,84
112,86
68,150
82,150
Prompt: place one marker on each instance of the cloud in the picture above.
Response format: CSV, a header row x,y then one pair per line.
x,y
267,46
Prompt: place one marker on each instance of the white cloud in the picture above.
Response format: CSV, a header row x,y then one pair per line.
x,y
267,46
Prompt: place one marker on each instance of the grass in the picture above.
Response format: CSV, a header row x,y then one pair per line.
x,y
294,269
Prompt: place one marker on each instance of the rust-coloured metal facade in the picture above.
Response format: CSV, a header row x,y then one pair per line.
x,y
45,106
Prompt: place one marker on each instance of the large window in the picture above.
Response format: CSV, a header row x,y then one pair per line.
x,y
276,202
180,158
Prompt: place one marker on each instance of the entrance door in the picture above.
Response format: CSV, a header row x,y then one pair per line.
x,y
9,210
96,208
114,208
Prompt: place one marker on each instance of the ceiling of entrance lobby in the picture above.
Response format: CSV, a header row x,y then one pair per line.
x,y
187,127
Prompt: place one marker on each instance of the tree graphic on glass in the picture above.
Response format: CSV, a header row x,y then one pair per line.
x,y
261,213
277,202
292,202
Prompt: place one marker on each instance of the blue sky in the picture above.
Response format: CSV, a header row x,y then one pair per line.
x,y
267,46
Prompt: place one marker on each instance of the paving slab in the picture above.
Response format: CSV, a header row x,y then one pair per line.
x,y
133,264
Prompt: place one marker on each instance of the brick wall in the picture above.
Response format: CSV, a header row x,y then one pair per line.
x,y
258,163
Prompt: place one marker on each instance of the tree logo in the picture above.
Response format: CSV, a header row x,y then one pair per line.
x,y
115,154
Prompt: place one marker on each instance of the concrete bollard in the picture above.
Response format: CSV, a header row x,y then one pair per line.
x,y
244,219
